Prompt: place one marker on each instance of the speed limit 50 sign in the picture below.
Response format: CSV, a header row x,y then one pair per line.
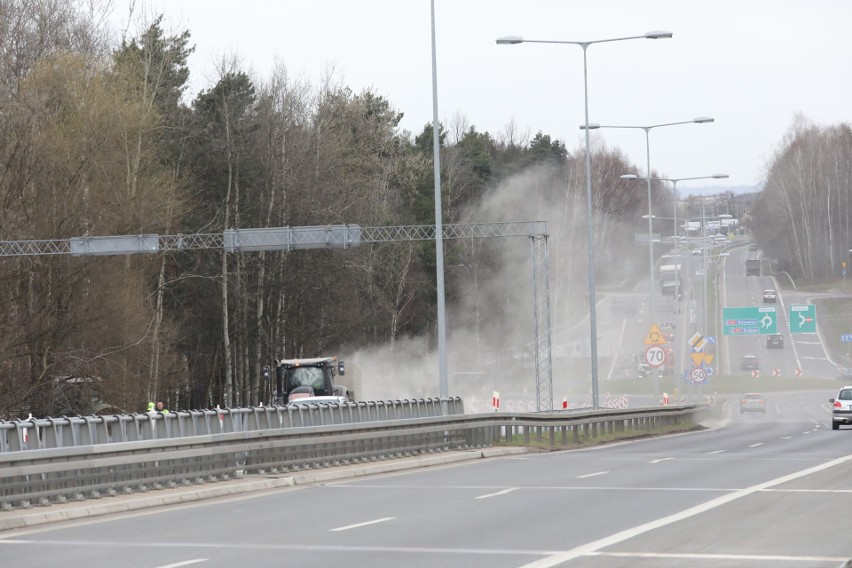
x,y
655,356
698,375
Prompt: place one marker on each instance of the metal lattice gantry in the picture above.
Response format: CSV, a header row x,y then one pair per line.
x,y
328,236
457,231
269,238
541,306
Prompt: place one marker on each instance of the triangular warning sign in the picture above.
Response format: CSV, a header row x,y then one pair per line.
x,y
708,358
697,358
655,336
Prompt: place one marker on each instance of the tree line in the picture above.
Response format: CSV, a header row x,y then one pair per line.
x,y
104,139
802,216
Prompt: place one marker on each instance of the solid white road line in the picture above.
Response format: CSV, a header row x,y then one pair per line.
x,y
596,545
359,525
719,557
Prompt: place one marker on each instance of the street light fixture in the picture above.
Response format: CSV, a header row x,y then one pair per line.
x,y
674,182
512,40
647,129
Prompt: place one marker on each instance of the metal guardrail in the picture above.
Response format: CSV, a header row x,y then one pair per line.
x,y
61,474
46,433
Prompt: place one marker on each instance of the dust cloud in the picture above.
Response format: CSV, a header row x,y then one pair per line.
x,y
490,312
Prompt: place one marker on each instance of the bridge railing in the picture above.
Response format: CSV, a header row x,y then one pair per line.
x,y
47,433
77,472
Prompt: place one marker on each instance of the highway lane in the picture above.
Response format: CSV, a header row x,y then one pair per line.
x,y
809,347
801,350
733,496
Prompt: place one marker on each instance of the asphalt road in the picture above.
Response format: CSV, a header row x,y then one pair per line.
x,y
760,491
802,352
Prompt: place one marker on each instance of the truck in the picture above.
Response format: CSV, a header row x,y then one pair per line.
x,y
752,266
317,374
670,280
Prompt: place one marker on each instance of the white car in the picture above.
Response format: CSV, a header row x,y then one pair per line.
x,y
697,252
752,402
841,408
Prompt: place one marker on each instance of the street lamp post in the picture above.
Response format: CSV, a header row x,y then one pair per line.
x,y
674,182
443,382
647,129
705,329
706,257
512,40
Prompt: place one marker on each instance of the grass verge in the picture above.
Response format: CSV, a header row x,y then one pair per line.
x,y
834,316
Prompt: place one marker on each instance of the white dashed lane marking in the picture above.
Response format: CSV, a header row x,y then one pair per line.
x,y
497,494
364,524
592,474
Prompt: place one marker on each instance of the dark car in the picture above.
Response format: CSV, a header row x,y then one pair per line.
x,y
750,363
775,341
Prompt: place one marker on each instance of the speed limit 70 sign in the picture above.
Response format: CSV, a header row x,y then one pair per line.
x,y
655,356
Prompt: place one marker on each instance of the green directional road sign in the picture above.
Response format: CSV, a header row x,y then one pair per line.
x,y
754,320
802,318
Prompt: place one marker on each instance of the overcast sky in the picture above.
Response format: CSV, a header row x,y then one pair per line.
x,y
750,64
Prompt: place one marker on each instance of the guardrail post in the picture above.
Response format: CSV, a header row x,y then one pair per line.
x,y
15,441
180,420
5,429
54,436
102,429
369,407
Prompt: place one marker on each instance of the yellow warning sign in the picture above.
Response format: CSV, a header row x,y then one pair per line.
x,y
700,358
655,336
